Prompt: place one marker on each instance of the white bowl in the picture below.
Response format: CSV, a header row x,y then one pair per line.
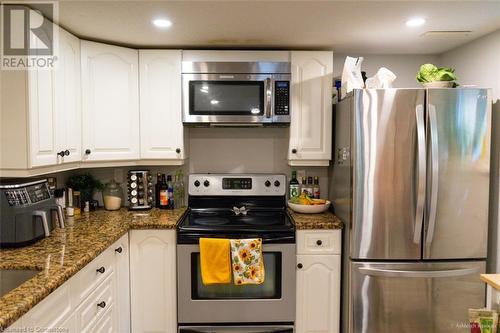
x,y
309,209
439,84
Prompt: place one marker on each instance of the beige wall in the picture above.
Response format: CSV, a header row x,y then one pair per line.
x,y
478,63
404,66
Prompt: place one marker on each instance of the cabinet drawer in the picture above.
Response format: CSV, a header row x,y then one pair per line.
x,y
52,310
319,241
93,274
107,322
89,311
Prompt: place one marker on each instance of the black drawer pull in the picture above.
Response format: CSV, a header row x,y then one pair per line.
x,y
101,270
101,304
319,242
119,249
299,266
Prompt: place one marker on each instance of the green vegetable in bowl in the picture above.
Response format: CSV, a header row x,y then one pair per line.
x,y
431,73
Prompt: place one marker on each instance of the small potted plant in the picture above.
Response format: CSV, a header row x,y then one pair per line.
x,y
86,184
436,77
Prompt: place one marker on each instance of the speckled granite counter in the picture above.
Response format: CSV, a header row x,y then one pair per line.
x,y
68,250
326,220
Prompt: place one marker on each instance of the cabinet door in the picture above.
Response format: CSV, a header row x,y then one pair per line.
x,y
318,294
153,281
162,132
311,112
42,122
110,102
122,313
68,101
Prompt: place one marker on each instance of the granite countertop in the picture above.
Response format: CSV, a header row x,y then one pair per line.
x,y
68,250
326,220
492,279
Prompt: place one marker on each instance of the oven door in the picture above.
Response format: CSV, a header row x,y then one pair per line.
x,y
227,98
236,329
272,301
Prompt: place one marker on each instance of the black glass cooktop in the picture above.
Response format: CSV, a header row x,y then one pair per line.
x,y
269,224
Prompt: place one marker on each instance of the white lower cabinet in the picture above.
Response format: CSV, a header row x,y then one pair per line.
x,y
153,281
96,299
318,282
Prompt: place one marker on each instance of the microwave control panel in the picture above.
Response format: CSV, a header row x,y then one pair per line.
x,y
282,98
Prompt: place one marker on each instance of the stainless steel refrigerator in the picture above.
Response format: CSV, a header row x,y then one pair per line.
x,y
410,179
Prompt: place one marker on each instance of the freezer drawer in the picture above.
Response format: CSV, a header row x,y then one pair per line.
x,y
236,329
414,297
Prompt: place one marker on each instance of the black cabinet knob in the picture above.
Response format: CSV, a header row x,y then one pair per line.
x,y
119,250
87,151
101,304
294,151
319,242
277,183
299,266
267,183
61,153
66,152
101,270
197,183
206,183
178,150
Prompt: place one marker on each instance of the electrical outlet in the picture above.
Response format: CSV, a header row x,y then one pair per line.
x,y
118,175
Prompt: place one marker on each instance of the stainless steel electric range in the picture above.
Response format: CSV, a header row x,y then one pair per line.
x,y
237,206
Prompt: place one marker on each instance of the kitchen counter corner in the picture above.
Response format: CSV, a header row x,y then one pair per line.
x,y
66,251
326,220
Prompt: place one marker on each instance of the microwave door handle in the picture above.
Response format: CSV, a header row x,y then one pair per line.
x,y
268,97
419,209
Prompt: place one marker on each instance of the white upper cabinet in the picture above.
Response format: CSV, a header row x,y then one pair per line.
x,y
42,116
68,99
162,132
311,109
110,102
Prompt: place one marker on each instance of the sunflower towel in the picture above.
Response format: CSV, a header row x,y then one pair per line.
x,y
248,262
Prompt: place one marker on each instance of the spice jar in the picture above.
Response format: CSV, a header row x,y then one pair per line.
x,y
112,196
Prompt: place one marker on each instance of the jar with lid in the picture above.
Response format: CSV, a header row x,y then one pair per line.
x,y
112,195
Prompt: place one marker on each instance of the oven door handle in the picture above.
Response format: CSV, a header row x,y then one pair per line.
x,y
268,97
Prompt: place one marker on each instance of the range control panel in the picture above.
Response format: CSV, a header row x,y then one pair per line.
x,y
232,184
282,98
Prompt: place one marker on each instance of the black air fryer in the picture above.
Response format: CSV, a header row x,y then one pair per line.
x,y
28,212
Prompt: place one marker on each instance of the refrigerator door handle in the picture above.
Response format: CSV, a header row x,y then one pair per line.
x,y
417,274
419,208
434,173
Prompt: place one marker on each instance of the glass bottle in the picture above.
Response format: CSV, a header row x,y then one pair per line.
x,y
170,193
316,188
294,186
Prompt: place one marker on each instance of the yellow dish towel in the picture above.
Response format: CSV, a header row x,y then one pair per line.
x,y
248,262
215,261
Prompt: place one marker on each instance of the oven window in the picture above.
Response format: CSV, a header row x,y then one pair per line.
x,y
270,289
226,98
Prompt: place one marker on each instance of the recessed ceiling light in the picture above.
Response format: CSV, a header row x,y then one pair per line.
x,y
415,22
162,23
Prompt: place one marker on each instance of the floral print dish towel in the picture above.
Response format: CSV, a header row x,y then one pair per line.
x,y
248,262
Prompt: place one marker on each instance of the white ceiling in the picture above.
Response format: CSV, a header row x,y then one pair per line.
x,y
343,26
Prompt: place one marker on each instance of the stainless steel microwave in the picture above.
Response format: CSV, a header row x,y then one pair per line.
x,y
236,93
